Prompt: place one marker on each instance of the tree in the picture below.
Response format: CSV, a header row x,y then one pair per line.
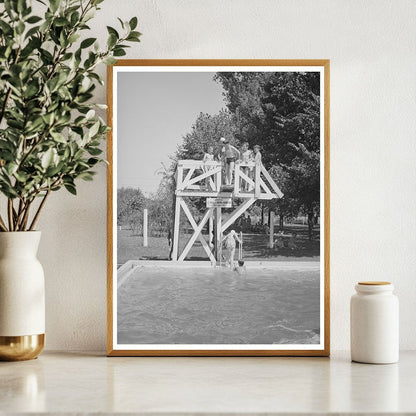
x,y
243,93
304,182
206,131
161,204
50,134
130,205
280,112
291,116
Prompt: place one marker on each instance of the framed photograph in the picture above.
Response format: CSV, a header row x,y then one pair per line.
x,y
218,208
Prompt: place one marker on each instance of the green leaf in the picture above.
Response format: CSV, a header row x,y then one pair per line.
x,y
110,60
54,4
10,8
53,83
111,30
67,153
6,29
87,42
94,151
21,177
89,15
133,23
73,38
134,36
60,138
31,31
90,114
26,11
112,40
33,19
119,52
61,21
31,90
11,168
35,125
94,129
121,22
48,118
74,18
20,28
63,41
47,158
70,188
21,6
52,171
86,176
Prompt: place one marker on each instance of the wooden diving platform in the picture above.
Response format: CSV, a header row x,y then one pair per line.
x,y
194,178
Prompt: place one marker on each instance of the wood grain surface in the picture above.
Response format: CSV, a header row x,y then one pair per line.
x,y
326,220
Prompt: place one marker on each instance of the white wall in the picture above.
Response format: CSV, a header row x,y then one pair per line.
x,y
371,45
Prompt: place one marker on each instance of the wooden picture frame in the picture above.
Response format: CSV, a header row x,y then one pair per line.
x,y
205,183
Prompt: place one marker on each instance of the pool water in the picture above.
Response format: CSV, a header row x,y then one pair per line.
x,y
191,305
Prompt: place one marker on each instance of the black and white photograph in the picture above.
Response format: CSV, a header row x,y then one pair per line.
x,y
218,208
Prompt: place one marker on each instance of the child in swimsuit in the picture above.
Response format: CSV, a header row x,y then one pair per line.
x,y
257,154
230,244
246,157
208,157
231,154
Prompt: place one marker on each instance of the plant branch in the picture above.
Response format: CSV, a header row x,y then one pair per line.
x,y
20,213
32,149
26,216
2,224
10,213
35,218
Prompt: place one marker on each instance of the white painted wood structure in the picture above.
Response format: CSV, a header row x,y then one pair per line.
x,y
145,227
194,178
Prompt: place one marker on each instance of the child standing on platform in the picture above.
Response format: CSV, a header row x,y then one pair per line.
x,y
231,154
246,158
208,157
257,154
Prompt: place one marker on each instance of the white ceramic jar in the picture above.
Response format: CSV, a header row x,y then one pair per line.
x,y
374,323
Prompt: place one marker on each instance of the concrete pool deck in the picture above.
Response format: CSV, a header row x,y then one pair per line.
x,y
161,302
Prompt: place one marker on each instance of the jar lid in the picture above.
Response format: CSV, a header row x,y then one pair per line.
x,y
374,283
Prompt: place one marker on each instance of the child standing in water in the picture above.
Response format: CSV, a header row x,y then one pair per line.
x,y
230,244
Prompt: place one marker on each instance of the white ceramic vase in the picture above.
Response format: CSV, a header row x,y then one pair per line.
x,y
374,323
22,296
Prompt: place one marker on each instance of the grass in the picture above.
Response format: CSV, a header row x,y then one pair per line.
x,y
255,247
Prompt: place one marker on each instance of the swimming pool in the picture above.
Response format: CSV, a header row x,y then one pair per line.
x,y
165,303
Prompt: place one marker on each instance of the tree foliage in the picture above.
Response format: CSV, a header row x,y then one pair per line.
x,y
206,131
161,203
280,111
130,205
50,134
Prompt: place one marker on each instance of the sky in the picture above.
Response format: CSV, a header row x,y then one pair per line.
x,y
154,111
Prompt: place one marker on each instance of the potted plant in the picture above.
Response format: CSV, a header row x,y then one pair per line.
x,y
50,136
